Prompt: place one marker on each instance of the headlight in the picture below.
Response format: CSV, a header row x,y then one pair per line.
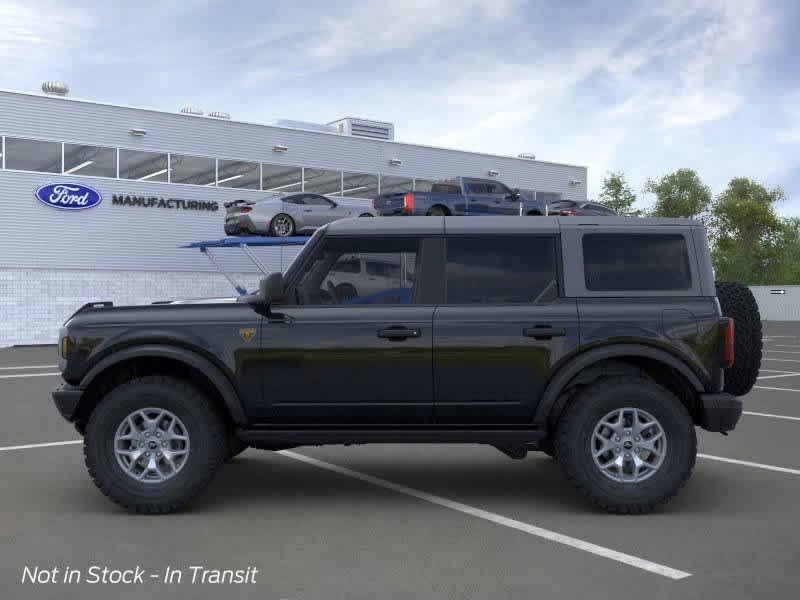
x,y
64,346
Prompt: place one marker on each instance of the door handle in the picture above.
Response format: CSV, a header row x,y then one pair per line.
x,y
544,332
398,333
307,210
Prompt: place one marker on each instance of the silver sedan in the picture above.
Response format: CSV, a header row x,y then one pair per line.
x,y
282,215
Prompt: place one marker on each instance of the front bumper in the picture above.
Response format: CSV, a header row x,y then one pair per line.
x,y
721,411
67,398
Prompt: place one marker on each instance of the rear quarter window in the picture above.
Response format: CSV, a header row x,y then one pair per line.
x,y
636,262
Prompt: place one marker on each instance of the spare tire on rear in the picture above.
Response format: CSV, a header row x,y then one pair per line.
x,y
738,303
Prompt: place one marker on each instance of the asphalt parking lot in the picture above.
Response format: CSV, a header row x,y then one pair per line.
x,y
391,521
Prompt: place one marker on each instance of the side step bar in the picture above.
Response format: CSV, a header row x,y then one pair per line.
x,y
311,437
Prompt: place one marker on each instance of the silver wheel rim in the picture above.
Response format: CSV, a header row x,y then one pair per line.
x,y
151,445
628,445
282,225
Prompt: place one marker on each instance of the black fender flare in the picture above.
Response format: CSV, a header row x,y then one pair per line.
x,y
219,380
586,359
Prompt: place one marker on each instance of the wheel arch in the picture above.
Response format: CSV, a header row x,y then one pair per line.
x,y
655,363
444,207
128,363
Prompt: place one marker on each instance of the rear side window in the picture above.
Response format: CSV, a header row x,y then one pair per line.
x,y
500,270
445,188
631,262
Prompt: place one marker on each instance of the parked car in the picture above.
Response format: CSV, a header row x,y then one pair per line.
x,y
282,215
573,208
603,341
460,196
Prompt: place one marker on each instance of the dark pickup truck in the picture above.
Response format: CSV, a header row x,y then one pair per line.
x,y
602,341
460,196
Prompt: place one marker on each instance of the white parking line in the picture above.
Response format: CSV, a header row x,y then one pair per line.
x,y
782,351
546,534
747,463
777,376
29,367
29,375
773,371
770,415
45,445
781,359
764,387
785,346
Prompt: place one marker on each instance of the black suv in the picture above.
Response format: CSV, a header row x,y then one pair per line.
x,y
602,341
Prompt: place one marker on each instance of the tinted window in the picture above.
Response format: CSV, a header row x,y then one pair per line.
x,y
33,155
90,160
335,277
197,170
360,185
477,188
614,262
295,199
500,270
280,178
144,166
445,188
317,201
323,181
238,174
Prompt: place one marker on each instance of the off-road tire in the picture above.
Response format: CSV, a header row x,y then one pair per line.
x,y
573,444
738,303
235,447
208,443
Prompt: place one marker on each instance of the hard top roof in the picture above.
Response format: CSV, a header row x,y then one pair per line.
x,y
491,224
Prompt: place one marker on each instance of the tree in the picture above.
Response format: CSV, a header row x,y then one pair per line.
x,y
751,243
617,194
679,194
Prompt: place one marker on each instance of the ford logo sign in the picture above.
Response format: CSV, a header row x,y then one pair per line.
x,y
69,196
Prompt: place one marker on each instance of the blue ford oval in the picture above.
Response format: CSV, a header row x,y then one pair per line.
x,y
68,196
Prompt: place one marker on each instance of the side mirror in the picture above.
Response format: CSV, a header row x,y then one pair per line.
x,y
270,290
333,204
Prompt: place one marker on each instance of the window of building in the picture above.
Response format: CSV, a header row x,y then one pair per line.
x,y
500,270
335,275
196,170
96,161
238,174
360,185
33,155
281,178
141,165
396,185
631,262
323,181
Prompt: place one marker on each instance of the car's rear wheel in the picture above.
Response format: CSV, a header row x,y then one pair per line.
x,y
627,444
153,443
737,302
282,225
437,211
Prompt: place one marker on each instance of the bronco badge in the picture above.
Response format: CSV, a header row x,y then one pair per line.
x,y
247,333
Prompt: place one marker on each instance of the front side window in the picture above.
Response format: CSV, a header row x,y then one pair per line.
x,y
335,276
33,155
636,262
500,270
317,200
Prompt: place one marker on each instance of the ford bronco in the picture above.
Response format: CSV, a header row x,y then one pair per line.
x,y
602,341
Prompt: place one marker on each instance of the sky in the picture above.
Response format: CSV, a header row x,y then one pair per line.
x,y
639,87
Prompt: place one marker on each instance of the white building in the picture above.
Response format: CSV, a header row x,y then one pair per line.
x,y
52,261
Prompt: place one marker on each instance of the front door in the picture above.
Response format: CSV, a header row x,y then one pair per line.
x,y
502,328
353,343
319,211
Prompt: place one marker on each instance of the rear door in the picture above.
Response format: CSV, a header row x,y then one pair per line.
x,y
502,327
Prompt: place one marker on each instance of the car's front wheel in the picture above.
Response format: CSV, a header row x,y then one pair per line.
x,y
626,443
153,443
